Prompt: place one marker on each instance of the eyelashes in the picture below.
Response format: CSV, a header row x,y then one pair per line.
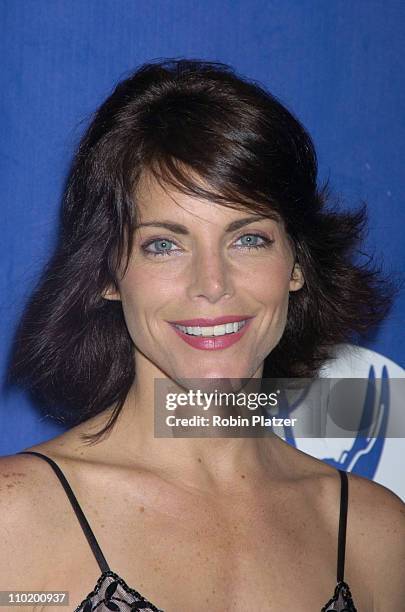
x,y
266,243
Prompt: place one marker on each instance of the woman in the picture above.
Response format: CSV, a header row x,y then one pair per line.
x,y
192,204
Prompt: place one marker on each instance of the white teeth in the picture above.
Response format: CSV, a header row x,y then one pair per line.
x,y
219,330
216,330
207,331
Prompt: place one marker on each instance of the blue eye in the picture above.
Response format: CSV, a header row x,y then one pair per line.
x,y
161,249
251,241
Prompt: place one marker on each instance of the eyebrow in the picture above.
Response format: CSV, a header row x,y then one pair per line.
x,y
178,228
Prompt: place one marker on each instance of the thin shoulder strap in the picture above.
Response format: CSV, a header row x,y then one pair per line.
x,y
342,525
76,507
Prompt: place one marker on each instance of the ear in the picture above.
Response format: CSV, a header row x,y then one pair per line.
x,y
297,280
111,293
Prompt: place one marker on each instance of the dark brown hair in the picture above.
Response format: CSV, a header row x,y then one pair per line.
x,y
73,350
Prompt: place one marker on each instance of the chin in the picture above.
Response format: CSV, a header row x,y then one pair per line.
x,y
209,377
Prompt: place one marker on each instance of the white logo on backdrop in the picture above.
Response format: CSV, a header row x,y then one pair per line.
x,y
368,454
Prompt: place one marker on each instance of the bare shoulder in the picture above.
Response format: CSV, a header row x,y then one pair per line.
x,y
376,505
375,537
369,488
376,519
21,482
27,521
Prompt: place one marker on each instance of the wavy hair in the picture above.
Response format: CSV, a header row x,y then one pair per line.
x,y
179,119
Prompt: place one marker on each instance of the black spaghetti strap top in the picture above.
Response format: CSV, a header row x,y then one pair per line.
x,y
112,593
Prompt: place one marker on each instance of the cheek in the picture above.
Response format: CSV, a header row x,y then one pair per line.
x,y
143,295
271,283
273,294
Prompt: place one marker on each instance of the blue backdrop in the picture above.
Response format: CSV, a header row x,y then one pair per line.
x,y
336,64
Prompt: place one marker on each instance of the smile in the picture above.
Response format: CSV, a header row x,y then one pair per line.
x,y
212,337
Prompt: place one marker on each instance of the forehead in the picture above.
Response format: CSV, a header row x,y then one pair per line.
x,y
158,200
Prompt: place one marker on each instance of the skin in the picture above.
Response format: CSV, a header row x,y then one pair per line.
x,y
225,523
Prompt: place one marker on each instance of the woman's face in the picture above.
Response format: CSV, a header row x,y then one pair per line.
x,y
211,263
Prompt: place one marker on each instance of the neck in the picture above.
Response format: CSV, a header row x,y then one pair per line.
x,y
205,463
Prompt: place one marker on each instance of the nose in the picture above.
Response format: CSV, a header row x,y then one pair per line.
x,y
210,277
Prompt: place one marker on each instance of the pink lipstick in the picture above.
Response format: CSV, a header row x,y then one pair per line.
x,y
212,342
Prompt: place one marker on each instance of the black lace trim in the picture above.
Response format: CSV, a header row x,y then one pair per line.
x,y
108,601
111,600
342,592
